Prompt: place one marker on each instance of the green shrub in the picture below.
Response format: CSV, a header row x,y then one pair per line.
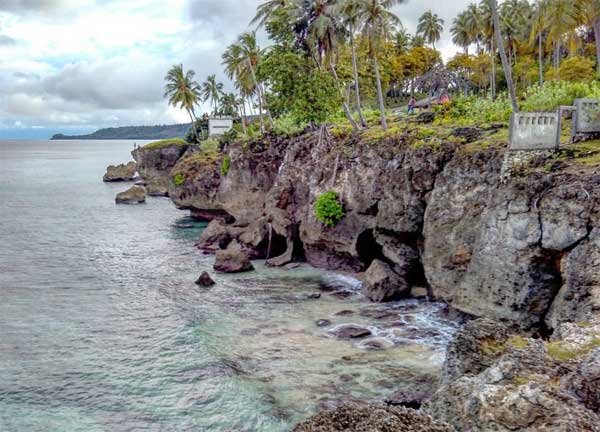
x,y
328,209
553,94
210,145
225,165
179,179
287,126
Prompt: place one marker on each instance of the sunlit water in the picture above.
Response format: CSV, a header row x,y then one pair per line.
x,y
103,329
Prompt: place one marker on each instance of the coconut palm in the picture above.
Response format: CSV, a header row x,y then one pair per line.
x,y
322,31
350,15
183,92
538,26
377,22
589,11
430,27
461,35
473,22
561,19
267,9
212,91
487,35
505,64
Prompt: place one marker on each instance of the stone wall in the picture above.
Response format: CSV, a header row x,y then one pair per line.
x,y
587,116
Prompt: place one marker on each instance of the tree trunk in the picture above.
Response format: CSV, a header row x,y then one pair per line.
x,y
258,95
380,93
242,109
557,58
505,63
344,104
356,85
541,58
493,80
596,26
193,125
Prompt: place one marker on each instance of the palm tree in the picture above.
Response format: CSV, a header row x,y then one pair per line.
x,y
430,27
505,64
377,22
538,26
267,9
473,22
350,13
183,92
212,91
461,35
561,18
487,31
590,14
321,35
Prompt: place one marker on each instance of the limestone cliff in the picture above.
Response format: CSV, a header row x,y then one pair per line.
x,y
435,210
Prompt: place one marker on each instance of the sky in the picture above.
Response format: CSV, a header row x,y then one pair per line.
x,y
74,66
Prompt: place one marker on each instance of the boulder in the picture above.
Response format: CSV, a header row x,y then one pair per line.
x,y
133,195
383,284
158,187
232,260
425,117
468,134
413,394
366,418
118,173
205,280
350,331
521,384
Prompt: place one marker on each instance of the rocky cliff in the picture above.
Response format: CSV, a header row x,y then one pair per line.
x,y
433,207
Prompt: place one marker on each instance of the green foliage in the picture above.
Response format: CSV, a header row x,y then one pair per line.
x,y
210,145
195,137
287,126
297,89
225,165
179,179
555,93
165,143
574,69
477,110
328,209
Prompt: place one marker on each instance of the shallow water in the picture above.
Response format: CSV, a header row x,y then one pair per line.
x,y
103,329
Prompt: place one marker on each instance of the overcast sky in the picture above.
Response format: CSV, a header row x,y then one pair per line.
x,y
77,65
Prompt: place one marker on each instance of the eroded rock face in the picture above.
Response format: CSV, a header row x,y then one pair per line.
x,y
123,172
368,418
157,162
441,218
133,195
383,284
232,260
521,383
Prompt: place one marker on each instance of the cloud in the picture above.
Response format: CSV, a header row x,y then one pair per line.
x,y
7,41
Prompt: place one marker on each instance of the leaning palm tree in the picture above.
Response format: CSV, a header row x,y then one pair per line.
x,y
212,91
461,35
505,64
430,27
473,17
487,32
377,22
183,92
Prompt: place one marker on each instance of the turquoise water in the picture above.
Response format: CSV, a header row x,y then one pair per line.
x,y
103,329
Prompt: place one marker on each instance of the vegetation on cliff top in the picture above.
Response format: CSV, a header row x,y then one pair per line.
x,y
165,143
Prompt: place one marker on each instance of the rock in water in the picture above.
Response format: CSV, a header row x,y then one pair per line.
x,y
158,187
232,261
351,331
366,418
133,195
205,280
383,284
123,172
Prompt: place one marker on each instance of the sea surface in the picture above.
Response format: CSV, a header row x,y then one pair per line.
x,y
103,329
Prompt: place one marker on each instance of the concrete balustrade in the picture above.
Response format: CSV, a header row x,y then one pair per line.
x,y
535,131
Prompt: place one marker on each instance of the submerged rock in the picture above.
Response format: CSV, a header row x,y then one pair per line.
x,y
413,394
133,195
350,331
232,261
371,418
383,284
205,280
123,172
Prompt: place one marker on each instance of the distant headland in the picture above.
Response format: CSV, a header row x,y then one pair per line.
x,y
131,133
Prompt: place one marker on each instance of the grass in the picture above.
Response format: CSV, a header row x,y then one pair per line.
x,y
166,143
